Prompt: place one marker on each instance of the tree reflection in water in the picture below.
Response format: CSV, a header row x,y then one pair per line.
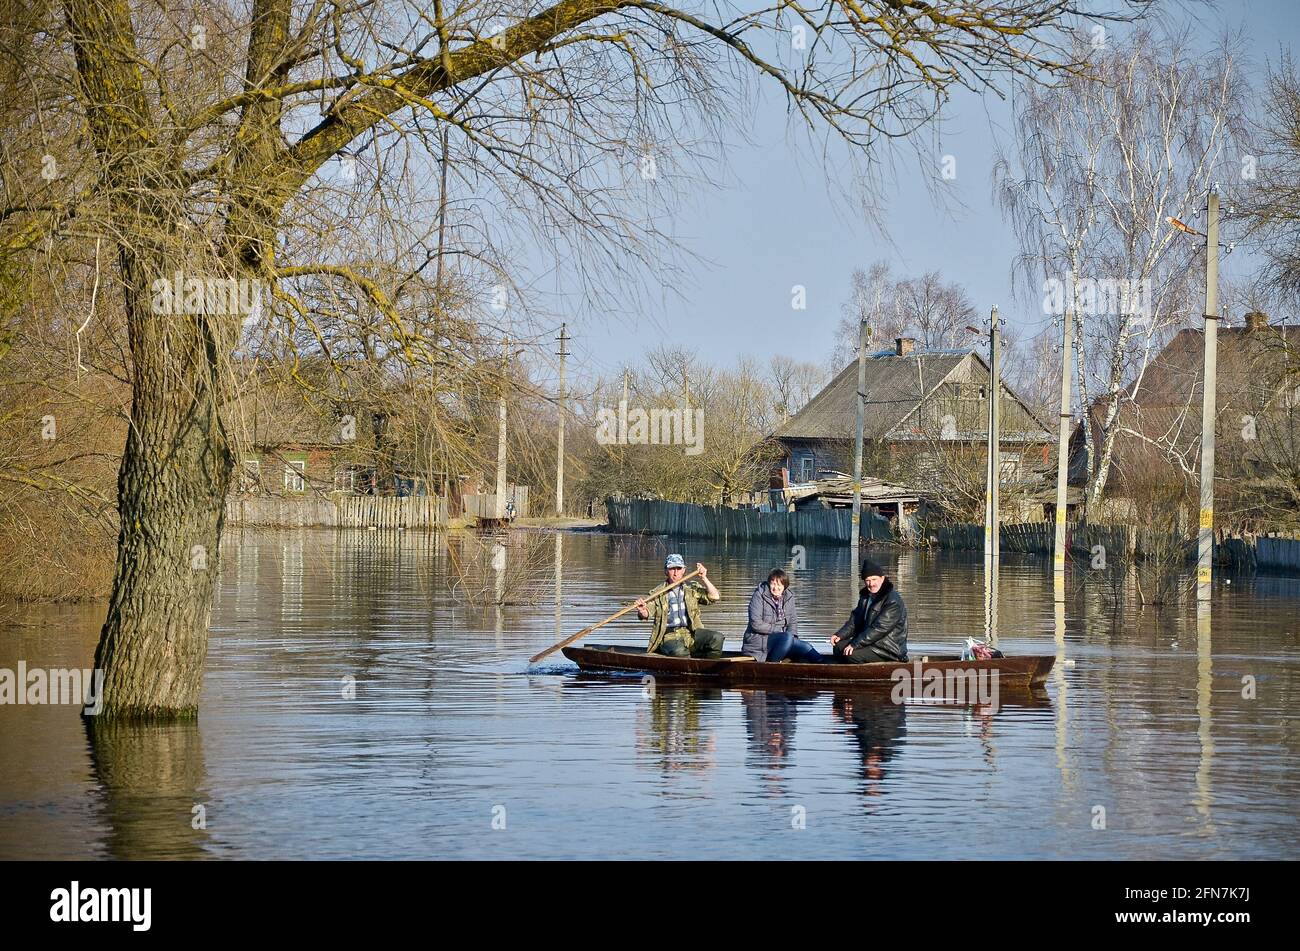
x,y
151,777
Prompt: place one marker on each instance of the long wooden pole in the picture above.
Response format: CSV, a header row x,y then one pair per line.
x,y
500,507
988,494
855,535
559,436
613,617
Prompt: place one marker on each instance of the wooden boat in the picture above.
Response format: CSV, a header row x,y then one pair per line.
x,y
737,669
1017,696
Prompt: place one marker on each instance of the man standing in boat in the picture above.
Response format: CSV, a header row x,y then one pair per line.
x,y
676,614
877,629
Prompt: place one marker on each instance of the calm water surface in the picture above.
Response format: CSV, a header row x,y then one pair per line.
x,y
454,748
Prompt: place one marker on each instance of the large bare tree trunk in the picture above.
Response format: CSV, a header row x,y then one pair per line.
x,y
175,472
177,464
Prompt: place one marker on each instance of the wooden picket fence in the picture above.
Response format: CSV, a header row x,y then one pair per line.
x,y
349,511
1271,553
681,520
383,512
275,512
1039,538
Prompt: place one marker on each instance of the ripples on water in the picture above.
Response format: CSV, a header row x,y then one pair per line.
x,y
450,729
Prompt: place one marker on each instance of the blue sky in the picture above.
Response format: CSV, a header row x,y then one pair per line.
x,y
776,223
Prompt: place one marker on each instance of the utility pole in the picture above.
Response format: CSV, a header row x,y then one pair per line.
x,y
622,434
559,438
1205,539
992,528
500,511
442,214
995,408
856,530
1062,460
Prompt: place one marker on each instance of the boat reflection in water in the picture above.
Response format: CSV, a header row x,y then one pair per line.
x,y
674,726
876,723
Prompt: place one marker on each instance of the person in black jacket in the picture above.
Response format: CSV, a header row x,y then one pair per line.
x,y
877,629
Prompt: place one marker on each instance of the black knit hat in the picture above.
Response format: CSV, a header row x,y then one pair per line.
x,y
869,568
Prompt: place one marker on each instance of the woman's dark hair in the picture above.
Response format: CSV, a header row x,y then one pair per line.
x,y
776,574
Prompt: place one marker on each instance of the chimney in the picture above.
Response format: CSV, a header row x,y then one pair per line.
x,y
1256,321
904,345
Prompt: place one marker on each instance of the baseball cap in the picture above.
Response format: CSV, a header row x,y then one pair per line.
x,y
674,561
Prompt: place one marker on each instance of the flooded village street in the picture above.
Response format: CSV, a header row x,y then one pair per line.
x,y
644,433
448,745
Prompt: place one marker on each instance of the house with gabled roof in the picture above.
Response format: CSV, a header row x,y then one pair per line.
x,y
313,439
921,405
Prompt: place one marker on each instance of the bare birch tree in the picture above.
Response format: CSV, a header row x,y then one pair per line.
x,y
1101,162
794,383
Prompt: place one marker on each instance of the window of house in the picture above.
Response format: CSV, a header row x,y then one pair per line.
x,y
805,468
345,478
1009,465
293,477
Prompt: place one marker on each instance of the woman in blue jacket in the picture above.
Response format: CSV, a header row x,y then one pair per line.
x,y
773,631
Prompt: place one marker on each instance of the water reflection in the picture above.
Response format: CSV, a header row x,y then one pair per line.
x,y
449,719
1204,798
1062,696
559,586
879,728
670,731
770,724
770,721
151,782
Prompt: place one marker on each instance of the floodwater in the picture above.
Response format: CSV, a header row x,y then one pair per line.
x,y
364,699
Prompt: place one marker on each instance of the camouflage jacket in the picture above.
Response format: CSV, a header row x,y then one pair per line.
x,y
696,595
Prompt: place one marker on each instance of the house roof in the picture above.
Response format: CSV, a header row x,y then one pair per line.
x,y
895,386
1167,397
1249,367
1164,405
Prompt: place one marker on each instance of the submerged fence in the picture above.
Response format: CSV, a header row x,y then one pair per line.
x,y
1260,553
654,517
349,511
1038,538
1249,553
